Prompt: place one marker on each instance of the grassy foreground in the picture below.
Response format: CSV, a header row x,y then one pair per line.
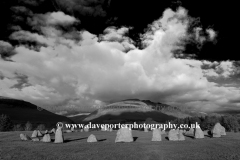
x,y
77,148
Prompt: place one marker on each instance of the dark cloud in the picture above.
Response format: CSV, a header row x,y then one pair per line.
x,y
234,101
31,2
91,8
22,81
21,10
6,50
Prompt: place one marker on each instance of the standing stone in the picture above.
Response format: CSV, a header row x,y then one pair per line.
x,y
24,137
86,129
39,134
72,129
81,130
92,138
46,138
146,129
198,133
190,131
68,131
163,132
59,136
35,139
181,136
34,134
223,131
157,136
111,130
173,135
104,129
53,131
216,130
124,135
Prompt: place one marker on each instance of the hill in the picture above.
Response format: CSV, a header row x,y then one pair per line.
x,y
133,110
21,111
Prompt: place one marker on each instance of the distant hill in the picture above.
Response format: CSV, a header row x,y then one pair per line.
x,y
78,118
21,111
133,110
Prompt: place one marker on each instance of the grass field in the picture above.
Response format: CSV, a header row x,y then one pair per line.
x,y
77,148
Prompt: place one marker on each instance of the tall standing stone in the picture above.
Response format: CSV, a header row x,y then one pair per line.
x,y
173,135
198,133
59,136
39,133
216,130
223,131
181,136
157,136
34,134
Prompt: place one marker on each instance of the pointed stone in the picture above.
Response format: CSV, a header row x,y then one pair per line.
x,y
34,134
46,138
53,130
92,138
181,137
198,133
39,134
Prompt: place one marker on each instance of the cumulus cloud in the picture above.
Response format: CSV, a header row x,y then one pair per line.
x,y
113,34
223,69
54,18
6,50
60,18
82,74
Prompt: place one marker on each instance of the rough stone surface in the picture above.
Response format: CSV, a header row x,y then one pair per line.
x,y
124,135
34,134
24,137
35,139
46,138
190,131
39,134
145,129
86,129
198,133
216,130
59,136
223,131
92,138
53,131
181,137
157,136
173,135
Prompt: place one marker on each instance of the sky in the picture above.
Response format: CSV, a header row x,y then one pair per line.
x,y
72,56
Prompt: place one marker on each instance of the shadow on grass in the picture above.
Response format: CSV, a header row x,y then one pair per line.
x,y
135,138
208,136
70,140
189,136
100,140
